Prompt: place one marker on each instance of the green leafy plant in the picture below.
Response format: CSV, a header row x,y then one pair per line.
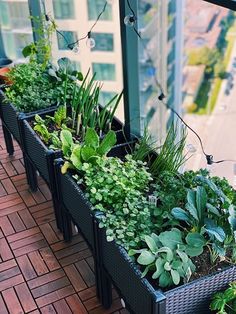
x,y
225,302
167,256
117,189
199,216
92,148
31,88
41,49
170,155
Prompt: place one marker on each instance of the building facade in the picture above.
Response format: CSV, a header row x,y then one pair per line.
x,y
160,25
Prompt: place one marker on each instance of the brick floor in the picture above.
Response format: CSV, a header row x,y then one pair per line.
x,y
39,273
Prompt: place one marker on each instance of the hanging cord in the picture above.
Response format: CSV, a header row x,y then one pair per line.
x,y
88,35
162,96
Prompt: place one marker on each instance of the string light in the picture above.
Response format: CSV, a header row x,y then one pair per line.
x,y
161,97
90,42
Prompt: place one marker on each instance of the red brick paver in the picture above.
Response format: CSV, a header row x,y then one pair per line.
x,y
39,272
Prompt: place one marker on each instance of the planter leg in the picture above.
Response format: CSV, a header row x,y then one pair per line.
x,y
30,174
58,212
67,228
103,286
8,140
103,283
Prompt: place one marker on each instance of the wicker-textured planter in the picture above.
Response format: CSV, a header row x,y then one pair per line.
x,y
74,206
141,296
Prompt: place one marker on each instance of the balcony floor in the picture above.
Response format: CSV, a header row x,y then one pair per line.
x,y
39,273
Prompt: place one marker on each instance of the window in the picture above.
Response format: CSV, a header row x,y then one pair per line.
x,y
95,7
4,15
70,36
104,42
105,97
76,65
15,28
104,71
63,9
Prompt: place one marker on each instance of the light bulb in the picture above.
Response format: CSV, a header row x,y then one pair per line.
x,y
191,148
130,20
90,42
75,49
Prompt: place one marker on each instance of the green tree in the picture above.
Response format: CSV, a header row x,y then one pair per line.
x,y
219,69
204,56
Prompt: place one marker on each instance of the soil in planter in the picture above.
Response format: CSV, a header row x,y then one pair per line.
x,y
204,266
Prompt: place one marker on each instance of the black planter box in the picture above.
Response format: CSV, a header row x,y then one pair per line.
x,y
74,206
10,117
141,296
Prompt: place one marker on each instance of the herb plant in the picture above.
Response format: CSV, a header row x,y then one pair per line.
x,y
117,189
31,88
89,151
167,256
225,302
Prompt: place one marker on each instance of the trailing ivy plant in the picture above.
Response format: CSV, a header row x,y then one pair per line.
x,y
167,256
225,302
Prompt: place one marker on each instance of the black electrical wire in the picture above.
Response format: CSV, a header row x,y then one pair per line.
x,y
88,35
162,96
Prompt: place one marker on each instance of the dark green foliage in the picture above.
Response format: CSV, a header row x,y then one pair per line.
x,y
225,302
31,88
117,188
167,256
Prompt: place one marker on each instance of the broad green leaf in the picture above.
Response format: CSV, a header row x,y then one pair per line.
x,y
107,143
87,152
218,301
194,251
27,50
91,138
165,279
214,230
171,238
67,141
183,256
212,209
167,266
195,239
146,258
151,243
76,157
180,214
169,254
201,200
232,217
159,268
38,119
175,276
193,211
52,73
65,65
191,198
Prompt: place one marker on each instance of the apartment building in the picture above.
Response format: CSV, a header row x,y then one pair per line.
x,y
160,23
